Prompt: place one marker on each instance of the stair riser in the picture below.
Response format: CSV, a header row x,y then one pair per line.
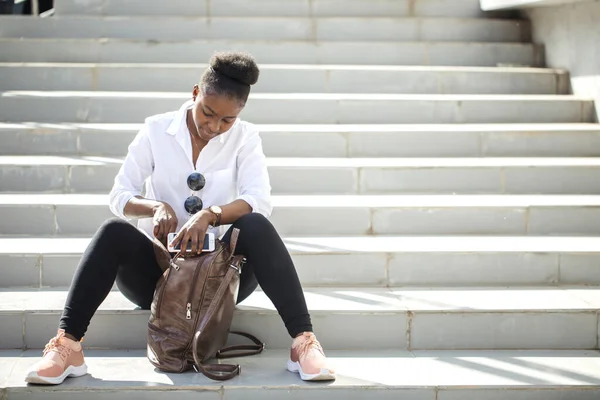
x,y
275,8
283,80
329,29
78,220
15,107
338,180
328,144
387,330
452,268
293,52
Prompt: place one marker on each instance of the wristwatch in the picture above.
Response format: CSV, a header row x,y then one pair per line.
x,y
217,211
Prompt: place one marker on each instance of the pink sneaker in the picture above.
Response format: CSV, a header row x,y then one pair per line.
x,y
308,359
62,358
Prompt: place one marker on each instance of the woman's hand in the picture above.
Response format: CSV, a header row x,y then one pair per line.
x,y
165,221
194,231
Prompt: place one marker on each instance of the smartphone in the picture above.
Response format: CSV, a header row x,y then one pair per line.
x,y
209,243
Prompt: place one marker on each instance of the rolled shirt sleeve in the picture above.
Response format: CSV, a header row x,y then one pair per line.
x,y
253,182
136,168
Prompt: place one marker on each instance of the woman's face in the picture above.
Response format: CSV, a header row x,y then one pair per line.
x,y
213,114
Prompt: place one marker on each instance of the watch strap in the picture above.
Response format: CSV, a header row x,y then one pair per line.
x,y
217,217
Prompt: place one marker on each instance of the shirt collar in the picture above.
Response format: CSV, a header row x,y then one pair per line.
x,y
179,118
179,122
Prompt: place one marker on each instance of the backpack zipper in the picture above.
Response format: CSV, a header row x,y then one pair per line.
x,y
162,290
189,346
188,306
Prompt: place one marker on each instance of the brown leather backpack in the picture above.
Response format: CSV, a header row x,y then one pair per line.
x,y
192,310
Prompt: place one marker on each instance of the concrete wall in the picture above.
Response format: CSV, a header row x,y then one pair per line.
x,y
571,34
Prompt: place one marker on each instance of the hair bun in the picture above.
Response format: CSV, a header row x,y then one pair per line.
x,y
238,66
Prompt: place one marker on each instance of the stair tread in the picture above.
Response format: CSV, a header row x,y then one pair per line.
x,y
320,67
340,162
339,128
322,300
511,21
337,201
354,244
427,371
58,94
224,42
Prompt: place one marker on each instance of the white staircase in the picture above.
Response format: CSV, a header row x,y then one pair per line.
x,y
439,192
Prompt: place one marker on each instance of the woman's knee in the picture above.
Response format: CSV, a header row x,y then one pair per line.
x,y
255,223
257,237
114,229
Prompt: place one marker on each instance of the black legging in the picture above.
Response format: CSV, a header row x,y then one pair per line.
x,y
120,251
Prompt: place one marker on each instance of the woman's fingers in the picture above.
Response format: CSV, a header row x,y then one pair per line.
x,y
160,230
194,238
184,241
179,237
171,226
190,234
201,235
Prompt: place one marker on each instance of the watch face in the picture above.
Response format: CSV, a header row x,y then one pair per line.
x,y
216,209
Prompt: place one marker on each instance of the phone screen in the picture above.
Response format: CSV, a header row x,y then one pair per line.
x,y
178,247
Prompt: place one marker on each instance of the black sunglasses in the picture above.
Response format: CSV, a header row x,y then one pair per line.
x,y
195,182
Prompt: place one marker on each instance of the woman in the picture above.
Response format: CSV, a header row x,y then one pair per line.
x,y
206,149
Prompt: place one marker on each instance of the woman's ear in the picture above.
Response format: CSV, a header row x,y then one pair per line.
x,y
195,92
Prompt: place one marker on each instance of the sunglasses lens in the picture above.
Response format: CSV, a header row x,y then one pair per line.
x,y
196,181
193,204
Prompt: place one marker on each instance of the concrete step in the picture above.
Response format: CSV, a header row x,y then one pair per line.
x,y
76,215
289,78
336,175
268,52
422,140
368,261
268,28
302,108
274,8
394,318
426,375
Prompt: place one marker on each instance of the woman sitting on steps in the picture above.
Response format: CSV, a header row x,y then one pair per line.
x,y
204,136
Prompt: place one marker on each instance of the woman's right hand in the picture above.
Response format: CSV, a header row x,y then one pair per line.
x,y
165,221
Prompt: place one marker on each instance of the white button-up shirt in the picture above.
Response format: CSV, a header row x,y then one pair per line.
x,y
159,161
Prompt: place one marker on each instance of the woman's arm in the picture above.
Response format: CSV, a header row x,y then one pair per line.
x,y
253,182
141,207
136,168
230,212
125,197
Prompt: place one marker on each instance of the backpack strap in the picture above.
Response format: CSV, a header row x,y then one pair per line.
x,y
218,372
233,240
242,350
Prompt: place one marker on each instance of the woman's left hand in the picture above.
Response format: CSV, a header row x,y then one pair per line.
x,y
194,231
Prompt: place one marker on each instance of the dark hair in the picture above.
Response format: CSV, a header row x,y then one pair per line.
x,y
230,74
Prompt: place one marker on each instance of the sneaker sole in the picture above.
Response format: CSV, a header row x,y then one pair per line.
x,y
323,375
70,372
